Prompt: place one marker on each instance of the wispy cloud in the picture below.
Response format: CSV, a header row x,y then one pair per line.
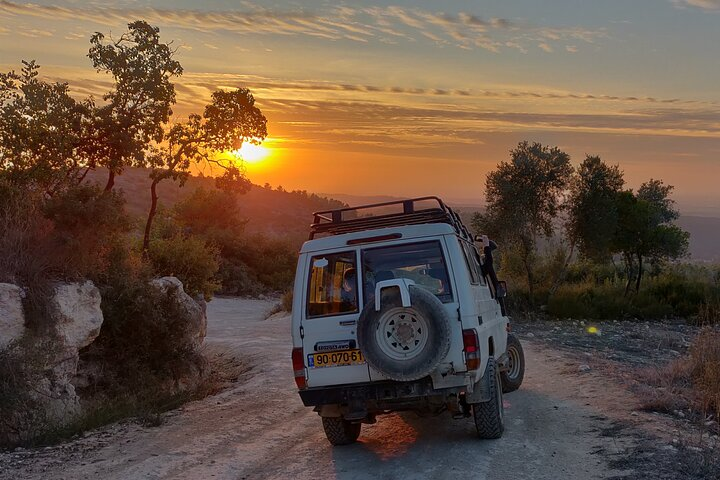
x,y
382,24
703,4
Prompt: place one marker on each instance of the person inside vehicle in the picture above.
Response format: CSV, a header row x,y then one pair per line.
x,y
348,292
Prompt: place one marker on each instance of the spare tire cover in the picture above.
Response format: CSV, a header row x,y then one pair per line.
x,y
404,343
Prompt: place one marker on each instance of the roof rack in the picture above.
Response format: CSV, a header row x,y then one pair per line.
x,y
351,219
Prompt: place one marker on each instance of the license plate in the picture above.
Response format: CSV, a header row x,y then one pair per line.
x,y
335,359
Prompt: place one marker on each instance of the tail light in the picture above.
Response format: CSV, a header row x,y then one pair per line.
x,y
299,367
472,352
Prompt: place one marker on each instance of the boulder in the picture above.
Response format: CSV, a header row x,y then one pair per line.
x,y
12,318
76,314
194,312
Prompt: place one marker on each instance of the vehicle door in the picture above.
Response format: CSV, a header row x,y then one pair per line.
x,y
424,261
329,318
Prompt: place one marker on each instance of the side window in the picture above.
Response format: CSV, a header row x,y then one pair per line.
x,y
472,264
478,264
332,286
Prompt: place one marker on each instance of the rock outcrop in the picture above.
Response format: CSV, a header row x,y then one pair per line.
x,y
51,355
76,317
193,311
12,318
76,314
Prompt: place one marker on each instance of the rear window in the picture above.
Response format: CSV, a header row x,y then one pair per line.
x,y
422,262
332,286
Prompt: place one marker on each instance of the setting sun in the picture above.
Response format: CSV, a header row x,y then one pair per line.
x,y
251,153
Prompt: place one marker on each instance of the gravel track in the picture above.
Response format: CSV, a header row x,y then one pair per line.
x,y
557,427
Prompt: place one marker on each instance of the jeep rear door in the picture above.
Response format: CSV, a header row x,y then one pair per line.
x,y
328,328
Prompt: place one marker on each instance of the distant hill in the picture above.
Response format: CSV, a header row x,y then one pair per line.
x,y
272,212
704,236
704,231
289,214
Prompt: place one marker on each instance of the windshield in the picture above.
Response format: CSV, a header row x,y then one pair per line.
x,y
422,262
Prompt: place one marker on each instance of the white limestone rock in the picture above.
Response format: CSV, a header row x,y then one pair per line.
x,y
76,313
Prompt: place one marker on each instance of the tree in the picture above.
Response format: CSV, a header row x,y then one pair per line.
x,y
523,198
644,230
140,103
592,207
43,131
229,120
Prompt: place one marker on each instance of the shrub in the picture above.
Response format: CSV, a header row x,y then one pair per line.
x,y
21,370
144,337
26,249
705,369
190,259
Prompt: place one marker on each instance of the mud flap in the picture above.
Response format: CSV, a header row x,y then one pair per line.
x,y
481,390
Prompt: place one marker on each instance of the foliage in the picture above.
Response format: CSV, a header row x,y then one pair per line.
x,y
643,231
705,369
43,131
143,329
593,291
249,264
140,103
229,120
592,207
190,259
523,198
21,369
79,233
89,228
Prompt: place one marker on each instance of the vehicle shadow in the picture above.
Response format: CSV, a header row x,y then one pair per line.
x,y
544,438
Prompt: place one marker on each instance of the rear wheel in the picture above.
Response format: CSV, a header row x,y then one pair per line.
x,y
339,431
490,416
512,378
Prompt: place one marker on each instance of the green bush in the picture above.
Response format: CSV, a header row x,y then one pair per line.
x,y
678,291
190,259
144,337
247,264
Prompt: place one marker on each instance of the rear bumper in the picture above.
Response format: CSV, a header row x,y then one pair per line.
x,y
380,394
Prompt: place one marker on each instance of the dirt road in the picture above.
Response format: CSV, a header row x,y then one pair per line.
x,y
559,426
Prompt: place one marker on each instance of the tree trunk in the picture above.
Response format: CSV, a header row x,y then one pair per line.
x,y
111,181
628,272
640,273
530,281
151,215
561,276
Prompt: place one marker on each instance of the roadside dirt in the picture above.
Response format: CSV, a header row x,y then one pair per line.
x,y
564,423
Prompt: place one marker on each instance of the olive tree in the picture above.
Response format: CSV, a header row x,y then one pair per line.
x,y
139,105
592,208
43,131
645,231
228,121
524,197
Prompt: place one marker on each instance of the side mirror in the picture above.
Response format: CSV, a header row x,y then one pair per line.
x,y
502,289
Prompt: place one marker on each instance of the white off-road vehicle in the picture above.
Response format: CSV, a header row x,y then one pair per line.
x,y
395,308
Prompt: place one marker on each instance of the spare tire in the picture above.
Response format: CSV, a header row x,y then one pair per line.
x,y
404,343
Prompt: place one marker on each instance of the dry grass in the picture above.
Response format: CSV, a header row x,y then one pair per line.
x,y
705,369
691,384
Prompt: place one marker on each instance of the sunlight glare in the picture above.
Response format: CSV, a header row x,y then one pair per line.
x,y
251,153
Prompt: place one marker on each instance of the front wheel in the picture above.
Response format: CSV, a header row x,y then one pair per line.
x,y
339,431
490,416
512,378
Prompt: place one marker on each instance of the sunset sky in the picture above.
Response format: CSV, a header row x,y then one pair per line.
x,y
426,97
